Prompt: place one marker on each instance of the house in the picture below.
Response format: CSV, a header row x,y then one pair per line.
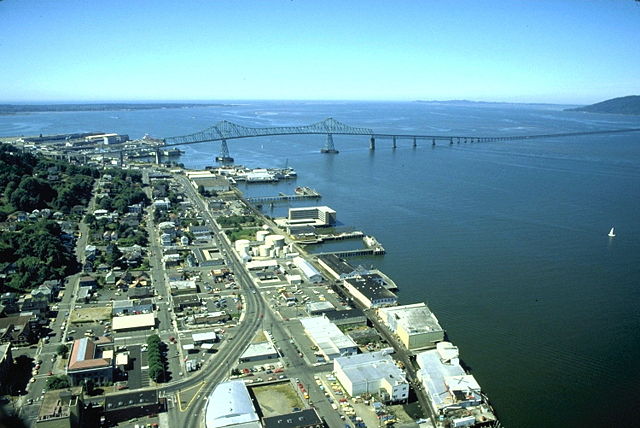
x,y
17,330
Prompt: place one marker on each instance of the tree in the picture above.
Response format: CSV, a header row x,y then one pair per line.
x,y
62,350
58,382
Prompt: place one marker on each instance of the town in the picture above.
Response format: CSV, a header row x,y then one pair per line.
x,y
191,308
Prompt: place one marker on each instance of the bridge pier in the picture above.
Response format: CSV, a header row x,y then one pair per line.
x,y
121,158
224,156
415,143
329,147
451,141
157,156
395,145
372,143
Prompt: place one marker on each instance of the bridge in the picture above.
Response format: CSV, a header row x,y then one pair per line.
x,y
225,130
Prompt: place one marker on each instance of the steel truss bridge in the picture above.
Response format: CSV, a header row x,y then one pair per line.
x,y
225,130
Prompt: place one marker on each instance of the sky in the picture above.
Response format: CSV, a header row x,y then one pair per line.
x,y
552,51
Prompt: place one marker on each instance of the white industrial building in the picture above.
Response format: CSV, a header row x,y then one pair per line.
x,y
331,342
372,373
230,405
453,393
315,216
307,269
416,326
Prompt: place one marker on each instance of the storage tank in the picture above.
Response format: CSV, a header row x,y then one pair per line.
x,y
242,245
275,241
264,251
261,234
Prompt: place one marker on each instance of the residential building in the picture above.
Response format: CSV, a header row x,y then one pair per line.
x,y
6,367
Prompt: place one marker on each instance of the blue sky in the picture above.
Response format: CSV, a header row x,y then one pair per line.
x,y
554,51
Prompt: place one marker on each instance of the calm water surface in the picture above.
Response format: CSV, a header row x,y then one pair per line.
x,y
506,242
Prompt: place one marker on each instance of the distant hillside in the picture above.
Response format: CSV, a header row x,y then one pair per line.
x,y
622,105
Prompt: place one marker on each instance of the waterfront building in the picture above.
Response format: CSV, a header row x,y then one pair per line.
x,y
91,360
369,291
372,373
230,405
453,393
416,326
347,318
335,266
308,270
315,216
331,342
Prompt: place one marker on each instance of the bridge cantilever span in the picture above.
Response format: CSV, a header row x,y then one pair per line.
x,y
225,130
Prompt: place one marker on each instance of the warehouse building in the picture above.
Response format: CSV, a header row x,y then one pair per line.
x,y
230,405
374,373
258,352
347,318
337,267
331,342
416,326
307,269
369,291
134,322
452,392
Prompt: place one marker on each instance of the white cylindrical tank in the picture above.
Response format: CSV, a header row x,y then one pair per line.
x,y
275,240
261,234
264,251
242,244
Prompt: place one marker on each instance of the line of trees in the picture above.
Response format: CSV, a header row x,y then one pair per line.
x,y
156,358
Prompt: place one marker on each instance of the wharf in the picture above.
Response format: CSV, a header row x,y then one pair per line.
x,y
374,248
302,193
319,239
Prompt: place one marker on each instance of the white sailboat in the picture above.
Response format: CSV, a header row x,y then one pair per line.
x,y
611,233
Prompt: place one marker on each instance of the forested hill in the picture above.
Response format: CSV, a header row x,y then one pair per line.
x,y
622,105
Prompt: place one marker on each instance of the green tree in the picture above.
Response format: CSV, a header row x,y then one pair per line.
x,y
62,350
58,382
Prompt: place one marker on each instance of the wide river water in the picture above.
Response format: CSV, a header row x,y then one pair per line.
x,y
505,241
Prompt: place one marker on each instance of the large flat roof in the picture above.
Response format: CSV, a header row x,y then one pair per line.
x,y
370,367
230,405
326,335
372,289
134,321
415,318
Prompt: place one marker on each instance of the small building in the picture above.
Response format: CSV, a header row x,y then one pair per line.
x,y
183,287
208,257
87,281
308,270
17,330
211,317
131,307
230,405
140,292
372,373
206,337
200,233
331,342
416,326
91,360
369,292
181,302
134,322
317,308
258,352
294,279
